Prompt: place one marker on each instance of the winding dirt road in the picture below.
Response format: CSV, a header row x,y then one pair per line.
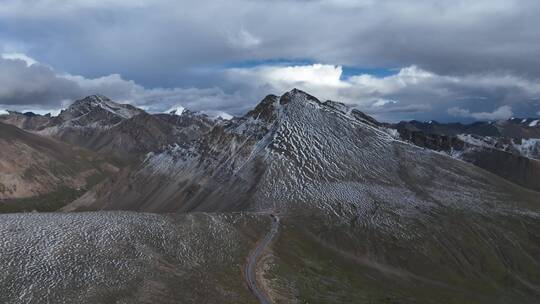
x,y
250,270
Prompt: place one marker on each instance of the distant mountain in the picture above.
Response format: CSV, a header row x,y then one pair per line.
x,y
37,173
101,125
190,125
508,148
99,110
26,121
512,128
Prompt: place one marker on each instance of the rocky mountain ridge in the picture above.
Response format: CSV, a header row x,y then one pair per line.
x,y
99,124
514,158
368,214
510,128
233,158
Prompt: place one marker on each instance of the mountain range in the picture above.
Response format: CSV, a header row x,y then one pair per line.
x,y
410,212
508,148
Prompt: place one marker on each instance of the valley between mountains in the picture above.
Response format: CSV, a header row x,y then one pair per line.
x,y
174,208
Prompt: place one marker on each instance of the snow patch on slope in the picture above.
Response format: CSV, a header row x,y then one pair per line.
x,y
529,148
322,158
105,103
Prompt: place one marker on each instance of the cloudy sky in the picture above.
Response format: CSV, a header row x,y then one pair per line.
x,y
446,60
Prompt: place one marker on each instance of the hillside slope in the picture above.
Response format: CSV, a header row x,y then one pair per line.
x,y
102,125
515,159
41,173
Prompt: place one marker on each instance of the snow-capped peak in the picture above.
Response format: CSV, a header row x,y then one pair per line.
x,y
87,104
176,110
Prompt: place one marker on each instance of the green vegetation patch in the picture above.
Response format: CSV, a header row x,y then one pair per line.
x,y
469,263
43,203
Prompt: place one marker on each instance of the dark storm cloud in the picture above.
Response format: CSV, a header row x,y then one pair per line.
x,y
177,45
150,41
32,85
29,85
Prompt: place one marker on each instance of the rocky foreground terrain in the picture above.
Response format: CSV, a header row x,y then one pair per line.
x,y
121,257
369,212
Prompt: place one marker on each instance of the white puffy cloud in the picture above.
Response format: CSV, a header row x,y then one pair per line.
x,y
285,76
381,102
503,112
244,39
327,82
176,109
410,93
160,53
39,88
19,56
